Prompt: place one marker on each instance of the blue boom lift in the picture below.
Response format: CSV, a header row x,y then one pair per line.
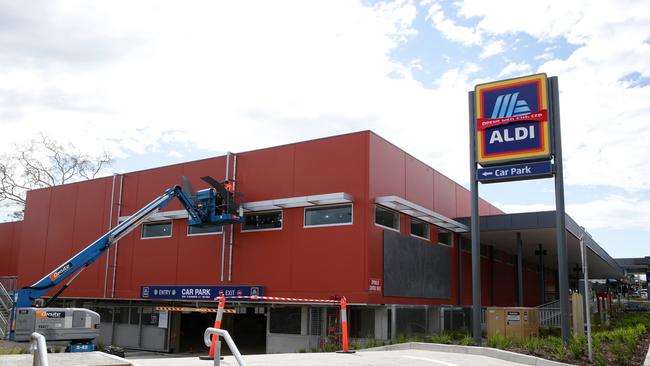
x,y
211,206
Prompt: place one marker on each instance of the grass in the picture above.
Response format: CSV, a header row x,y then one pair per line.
x,y
13,351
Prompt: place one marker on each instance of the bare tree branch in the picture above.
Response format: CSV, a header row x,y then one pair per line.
x,y
44,162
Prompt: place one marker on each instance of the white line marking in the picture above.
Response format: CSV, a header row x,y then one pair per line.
x,y
430,360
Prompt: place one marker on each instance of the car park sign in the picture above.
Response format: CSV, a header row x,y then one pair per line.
x,y
512,122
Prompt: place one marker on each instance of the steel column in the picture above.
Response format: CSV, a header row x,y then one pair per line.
x,y
475,229
560,216
520,270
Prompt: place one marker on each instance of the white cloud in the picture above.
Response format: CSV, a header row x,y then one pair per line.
x,y
492,48
610,212
449,28
515,69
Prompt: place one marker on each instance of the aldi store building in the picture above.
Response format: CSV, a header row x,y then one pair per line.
x,y
350,215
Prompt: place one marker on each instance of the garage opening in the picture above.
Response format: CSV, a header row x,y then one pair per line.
x,y
249,332
247,329
192,327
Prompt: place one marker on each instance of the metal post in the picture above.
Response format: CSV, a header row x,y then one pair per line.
x,y
475,227
234,189
560,216
587,297
223,232
39,349
520,270
231,344
110,226
117,243
542,283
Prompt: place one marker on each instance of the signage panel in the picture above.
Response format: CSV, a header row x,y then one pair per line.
x,y
504,173
512,121
198,292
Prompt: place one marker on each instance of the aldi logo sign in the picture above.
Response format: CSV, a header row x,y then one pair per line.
x,y
512,120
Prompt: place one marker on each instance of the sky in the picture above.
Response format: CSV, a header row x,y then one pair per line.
x,y
159,82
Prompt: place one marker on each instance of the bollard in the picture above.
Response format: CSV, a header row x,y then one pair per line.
x,y
217,325
344,326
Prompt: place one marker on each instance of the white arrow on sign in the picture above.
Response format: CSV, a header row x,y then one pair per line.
x,y
485,174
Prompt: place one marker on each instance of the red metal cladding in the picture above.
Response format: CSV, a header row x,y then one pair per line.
x,y
9,240
296,261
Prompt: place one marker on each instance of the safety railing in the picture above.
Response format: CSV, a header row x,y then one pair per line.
x,y
550,315
231,344
6,305
39,349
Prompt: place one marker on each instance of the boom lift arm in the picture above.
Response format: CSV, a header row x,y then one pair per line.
x,y
201,208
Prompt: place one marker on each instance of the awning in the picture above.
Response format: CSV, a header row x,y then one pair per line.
x,y
500,231
275,204
302,201
412,209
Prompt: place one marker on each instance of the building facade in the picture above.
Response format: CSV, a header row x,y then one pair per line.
x,y
350,215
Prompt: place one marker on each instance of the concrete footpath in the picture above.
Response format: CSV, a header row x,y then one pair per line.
x,y
403,354
379,358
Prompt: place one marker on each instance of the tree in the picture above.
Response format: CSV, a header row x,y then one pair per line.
x,y
44,162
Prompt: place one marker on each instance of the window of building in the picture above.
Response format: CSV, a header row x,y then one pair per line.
x,y
270,220
497,255
386,218
149,316
445,237
105,314
121,315
135,316
157,230
466,244
363,325
204,230
419,229
328,215
285,320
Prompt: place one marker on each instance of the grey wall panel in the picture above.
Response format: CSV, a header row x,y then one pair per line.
x,y
415,268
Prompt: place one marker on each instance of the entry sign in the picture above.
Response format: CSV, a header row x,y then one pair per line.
x,y
512,120
504,173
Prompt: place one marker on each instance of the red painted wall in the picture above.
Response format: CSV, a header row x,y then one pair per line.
x,y
9,239
294,261
59,222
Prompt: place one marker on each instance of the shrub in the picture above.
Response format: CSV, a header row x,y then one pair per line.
x,y
467,341
578,347
532,345
499,341
441,338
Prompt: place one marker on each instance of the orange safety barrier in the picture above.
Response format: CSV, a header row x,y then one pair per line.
x,y
217,324
343,303
344,325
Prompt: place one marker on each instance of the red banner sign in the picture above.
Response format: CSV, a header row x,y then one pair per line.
x,y
484,123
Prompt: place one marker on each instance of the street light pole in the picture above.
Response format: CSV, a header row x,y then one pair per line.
x,y
585,272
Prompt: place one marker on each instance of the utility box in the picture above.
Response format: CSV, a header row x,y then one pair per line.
x,y
515,322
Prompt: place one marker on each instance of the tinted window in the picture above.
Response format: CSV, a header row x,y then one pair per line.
x,y
285,320
444,237
206,229
466,244
157,230
328,215
420,228
386,217
262,221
